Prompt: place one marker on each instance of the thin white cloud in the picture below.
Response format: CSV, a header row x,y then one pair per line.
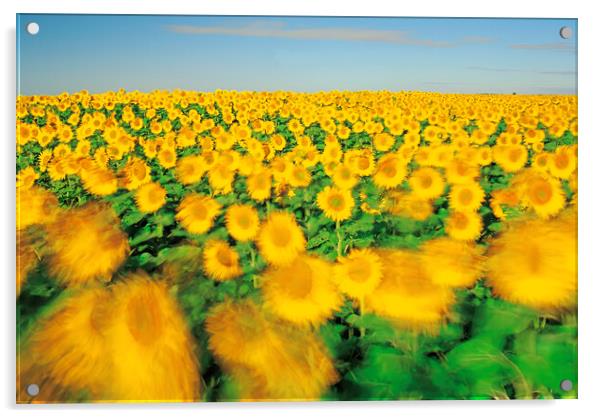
x,y
518,70
474,39
560,46
331,34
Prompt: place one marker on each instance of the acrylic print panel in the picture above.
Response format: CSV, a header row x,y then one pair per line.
x,y
292,208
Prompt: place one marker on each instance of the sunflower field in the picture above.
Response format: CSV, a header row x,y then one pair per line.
x,y
184,246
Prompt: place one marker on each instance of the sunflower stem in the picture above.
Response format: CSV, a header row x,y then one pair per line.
x,y
362,328
339,238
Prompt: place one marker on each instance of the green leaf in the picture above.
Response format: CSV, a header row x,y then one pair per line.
x,y
496,319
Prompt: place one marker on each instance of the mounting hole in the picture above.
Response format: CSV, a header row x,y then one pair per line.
x,y
566,32
566,385
33,28
33,389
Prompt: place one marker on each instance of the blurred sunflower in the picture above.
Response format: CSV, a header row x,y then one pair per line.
x,y
150,197
280,239
426,183
190,169
135,174
220,261
66,353
268,359
298,176
196,213
86,244
100,181
242,222
510,157
337,204
301,292
534,263
147,337
343,177
259,184
540,192
406,295
390,171
36,206
466,197
449,262
464,226
563,162
358,273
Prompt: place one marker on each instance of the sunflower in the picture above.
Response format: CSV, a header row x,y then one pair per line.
x,y
29,247
534,263
259,184
298,176
190,169
238,332
36,206
466,197
150,197
280,239
343,177
390,171
301,292
406,204
464,226
66,353
221,178
86,244
383,141
542,193
167,157
149,342
460,171
220,261
196,213
510,157
426,183
448,262
337,204
100,181
268,359
361,161
406,295
563,162
358,273
26,178
135,174
242,222
545,196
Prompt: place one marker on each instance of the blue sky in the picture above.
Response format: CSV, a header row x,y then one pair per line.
x,y
205,53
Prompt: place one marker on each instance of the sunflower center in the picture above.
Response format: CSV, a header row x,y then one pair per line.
x,y
541,192
426,181
389,170
359,270
143,319
155,195
363,163
281,236
533,255
561,161
465,196
336,202
514,154
224,257
299,174
244,221
460,220
301,282
200,211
